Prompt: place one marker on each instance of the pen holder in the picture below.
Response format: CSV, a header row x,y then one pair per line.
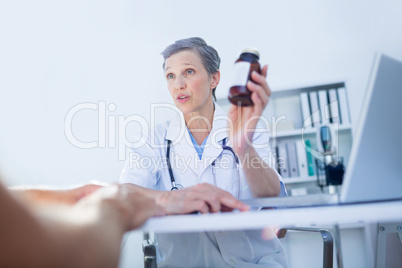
x,y
331,173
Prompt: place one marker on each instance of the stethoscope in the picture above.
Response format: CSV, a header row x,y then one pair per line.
x,y
224,147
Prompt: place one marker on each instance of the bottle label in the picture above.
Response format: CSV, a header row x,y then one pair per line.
x,y
240,73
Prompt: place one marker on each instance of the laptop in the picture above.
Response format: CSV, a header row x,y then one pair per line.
x,y
374,171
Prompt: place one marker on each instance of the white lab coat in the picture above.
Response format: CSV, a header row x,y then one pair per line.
x,y
146,166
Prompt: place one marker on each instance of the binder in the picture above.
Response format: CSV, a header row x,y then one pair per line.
x,y
275,158
310,161
283,163
315,109
306,122
343,106
292,156
333,106
302,159
324,107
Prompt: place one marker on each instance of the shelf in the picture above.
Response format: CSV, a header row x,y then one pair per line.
x,y
295,90
299,179
309,131
284,121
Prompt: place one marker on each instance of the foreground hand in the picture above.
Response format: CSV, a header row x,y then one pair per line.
x,y
34,196
125,202
72,196
244,119
203,198
139,205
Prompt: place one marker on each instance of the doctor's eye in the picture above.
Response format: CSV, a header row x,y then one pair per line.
x,y
190,71
169,76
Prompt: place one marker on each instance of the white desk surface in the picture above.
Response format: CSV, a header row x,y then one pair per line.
x,y
390,211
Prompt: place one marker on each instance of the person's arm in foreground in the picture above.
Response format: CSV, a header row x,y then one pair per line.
x,y
68,196
261,178
202,197
87,234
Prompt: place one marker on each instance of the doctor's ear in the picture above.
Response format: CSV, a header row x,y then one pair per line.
x,y
215,78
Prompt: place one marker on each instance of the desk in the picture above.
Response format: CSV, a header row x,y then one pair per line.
x,y
321,216
389,211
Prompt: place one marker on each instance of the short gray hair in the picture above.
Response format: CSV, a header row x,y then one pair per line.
x,y
209,55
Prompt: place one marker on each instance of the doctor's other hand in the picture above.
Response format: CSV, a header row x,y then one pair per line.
x,y
204,198
244,119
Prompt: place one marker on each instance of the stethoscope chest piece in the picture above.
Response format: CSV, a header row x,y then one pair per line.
x,y
176,186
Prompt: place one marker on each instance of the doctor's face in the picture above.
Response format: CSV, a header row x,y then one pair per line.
x,y
189,83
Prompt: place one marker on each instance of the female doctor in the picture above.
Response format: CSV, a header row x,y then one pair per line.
x,y
206,151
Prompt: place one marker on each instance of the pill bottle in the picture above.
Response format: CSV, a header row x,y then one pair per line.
x,y
247,63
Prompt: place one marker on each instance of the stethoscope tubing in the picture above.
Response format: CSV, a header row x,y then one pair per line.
x,y
172,179
224,147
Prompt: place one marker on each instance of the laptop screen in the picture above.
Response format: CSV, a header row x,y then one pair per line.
x,y
374,169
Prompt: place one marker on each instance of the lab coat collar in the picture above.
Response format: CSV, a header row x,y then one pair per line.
x,y
220,125
183,147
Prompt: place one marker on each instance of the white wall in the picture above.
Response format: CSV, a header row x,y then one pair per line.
x,y
57,54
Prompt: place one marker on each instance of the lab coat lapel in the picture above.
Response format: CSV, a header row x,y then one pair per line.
x,y
213,146
183,154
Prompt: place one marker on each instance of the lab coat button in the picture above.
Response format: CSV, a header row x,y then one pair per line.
x,y
232,262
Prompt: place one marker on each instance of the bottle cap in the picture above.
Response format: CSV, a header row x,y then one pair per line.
x,y
252,51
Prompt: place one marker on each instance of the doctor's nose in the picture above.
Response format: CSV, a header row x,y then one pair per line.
x,y
179,83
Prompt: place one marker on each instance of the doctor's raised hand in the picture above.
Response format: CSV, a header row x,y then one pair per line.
x,y
262,179
244,118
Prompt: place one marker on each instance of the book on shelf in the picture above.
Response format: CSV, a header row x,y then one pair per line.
x,y
310,160
274,158
324,107
315,109
343,106
292,156
282,161
334,106
302,159
306,112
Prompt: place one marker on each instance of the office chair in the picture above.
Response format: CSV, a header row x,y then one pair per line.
x,y
328,242
383,230
148,246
